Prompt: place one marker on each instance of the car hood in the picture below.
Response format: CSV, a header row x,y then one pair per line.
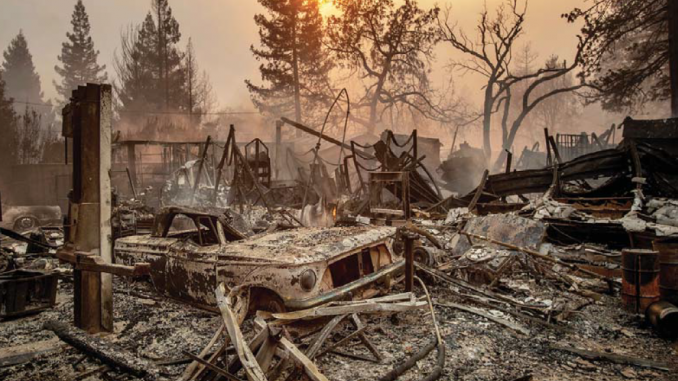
x,y
306,245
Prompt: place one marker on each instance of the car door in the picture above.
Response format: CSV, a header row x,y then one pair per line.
x,y
146,249
191,265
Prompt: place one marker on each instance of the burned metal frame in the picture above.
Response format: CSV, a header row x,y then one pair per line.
x,y
260,166
24,292
243,175
174,155
164,218
398,183
421,191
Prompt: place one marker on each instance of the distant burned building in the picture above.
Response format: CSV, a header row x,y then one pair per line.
x,y
531,159
463,169
39,185
662,133
429,147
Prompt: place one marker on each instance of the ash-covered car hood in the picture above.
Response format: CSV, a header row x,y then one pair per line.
x,y
304,245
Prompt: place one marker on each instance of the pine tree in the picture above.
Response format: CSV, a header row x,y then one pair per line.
x,y
169,57
22,81
192,78
30,137
23,85
295,68
628,57
8,125
78,56
135,84
198,90
149,66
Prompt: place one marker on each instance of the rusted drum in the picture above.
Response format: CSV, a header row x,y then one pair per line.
x,y
640,279
668,268
664,318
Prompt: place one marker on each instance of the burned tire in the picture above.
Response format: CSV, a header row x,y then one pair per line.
x,y
424,256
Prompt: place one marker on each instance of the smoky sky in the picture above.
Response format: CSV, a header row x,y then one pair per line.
x,y
223,30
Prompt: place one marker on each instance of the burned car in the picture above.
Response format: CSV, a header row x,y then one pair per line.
x,y
192,252
24,218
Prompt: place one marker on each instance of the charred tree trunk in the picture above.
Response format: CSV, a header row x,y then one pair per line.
x,y
374,102
295,68
673,55
487,120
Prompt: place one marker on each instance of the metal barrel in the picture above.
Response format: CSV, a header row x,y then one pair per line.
x,y
668,268
664,318
640,279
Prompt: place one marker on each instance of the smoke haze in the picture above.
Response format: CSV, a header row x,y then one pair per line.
x,y
223,30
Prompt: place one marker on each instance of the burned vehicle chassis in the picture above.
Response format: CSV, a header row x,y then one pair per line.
x,y
281,271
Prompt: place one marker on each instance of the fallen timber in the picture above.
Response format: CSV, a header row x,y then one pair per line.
x,y
599,164
618,164
541,256
516,327
105,351
315,133
613,358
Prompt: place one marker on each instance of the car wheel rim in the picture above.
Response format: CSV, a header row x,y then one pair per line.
x,y
25,223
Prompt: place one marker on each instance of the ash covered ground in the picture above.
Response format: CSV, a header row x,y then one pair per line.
x,y
159,329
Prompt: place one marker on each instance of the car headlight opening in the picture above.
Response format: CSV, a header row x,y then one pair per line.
x,y
307,280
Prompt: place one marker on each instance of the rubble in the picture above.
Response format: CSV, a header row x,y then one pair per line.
x,y
360,269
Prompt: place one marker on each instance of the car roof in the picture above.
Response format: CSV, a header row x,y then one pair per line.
x,y
163,219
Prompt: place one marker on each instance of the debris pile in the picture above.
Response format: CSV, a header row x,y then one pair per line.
x,y
370,267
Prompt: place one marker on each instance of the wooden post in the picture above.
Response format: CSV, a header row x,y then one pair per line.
x,y
88,120
201,166
409,261
549,160
105,126
278,146
132,164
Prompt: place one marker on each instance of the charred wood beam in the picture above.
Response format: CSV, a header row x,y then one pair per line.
x,y
315,133
201,167
19,237
613,358
224,157
549,158
554,147
25,353
212,367
195,367
410,362
540,256
516,327
247,358
600,164
479,191
107,352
